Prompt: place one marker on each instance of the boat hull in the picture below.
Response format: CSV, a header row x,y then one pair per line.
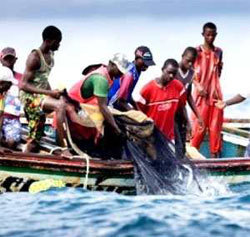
x,y
18,171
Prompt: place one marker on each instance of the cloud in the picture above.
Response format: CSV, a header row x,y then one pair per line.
x,y
119,8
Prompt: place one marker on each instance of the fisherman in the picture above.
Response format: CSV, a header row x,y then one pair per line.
x,y
185,75
235,100
6,77
159,98
11,127
38,97
207,88
120,93
93,89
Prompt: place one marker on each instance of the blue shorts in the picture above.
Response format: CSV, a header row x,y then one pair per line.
x,y
11,129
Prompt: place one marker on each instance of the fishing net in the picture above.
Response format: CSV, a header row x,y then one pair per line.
x,y
157,168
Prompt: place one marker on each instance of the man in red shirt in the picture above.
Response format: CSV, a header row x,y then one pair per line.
x,y
160,97
207,89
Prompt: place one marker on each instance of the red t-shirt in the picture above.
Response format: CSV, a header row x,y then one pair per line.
x,y
160,104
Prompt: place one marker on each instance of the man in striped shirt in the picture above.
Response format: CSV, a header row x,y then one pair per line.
x,y
207,88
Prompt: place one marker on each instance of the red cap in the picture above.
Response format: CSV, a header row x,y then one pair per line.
x,y
8,52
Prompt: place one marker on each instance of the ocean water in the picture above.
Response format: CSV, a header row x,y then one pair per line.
x,y
221,211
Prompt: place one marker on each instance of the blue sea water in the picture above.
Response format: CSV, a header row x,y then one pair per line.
x,y
76,212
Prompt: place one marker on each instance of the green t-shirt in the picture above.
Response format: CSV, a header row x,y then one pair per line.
x,y
96,85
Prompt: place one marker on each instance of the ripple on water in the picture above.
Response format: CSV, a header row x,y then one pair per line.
x,y
77,212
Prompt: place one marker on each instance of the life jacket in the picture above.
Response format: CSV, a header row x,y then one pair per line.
x,y
75,91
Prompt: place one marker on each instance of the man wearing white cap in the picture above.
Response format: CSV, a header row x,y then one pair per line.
x,y
93,88
10,132
11,126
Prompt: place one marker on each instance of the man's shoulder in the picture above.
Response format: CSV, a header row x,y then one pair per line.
x,y
34,53
34,61
97,76
149,87
218,49
178,84
150,84
200,49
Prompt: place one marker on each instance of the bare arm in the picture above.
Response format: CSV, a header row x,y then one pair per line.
x,y
32,65
235,100
102,102
126,83
194,109
123,105
200,88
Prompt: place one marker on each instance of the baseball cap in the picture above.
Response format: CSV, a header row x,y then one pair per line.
x,y
121,61
146,55
8,51
6,74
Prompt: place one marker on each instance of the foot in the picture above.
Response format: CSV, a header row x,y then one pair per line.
x,y
215,155
63,152
30,147
66,154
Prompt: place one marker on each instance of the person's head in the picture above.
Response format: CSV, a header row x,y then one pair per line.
x,y
188,58
6,78
8,57
118,65
143,58
169,70
209,33
52,37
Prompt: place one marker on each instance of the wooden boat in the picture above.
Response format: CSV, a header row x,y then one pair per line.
x,y
19,170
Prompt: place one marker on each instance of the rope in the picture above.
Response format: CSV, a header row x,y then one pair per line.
x,y
81,154
57,148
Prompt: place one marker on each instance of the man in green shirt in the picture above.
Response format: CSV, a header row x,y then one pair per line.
x,y
93,88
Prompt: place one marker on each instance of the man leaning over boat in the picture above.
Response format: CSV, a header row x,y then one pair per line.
x,y
93,90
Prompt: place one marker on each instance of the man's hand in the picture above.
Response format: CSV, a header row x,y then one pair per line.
x,y
220,104
201,90
189,132
201,123
117,131
55,93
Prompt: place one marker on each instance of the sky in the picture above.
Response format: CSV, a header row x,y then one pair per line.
x,y
94,30
119,8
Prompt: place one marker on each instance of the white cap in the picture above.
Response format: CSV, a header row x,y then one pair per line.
x,y
6,74
121,61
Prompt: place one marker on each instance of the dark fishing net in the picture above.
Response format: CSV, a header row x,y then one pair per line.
x,y
157,169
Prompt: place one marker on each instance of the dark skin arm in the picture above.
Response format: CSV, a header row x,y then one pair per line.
x,y
32,65
235,100
123,105
194,109
200,88
102,102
